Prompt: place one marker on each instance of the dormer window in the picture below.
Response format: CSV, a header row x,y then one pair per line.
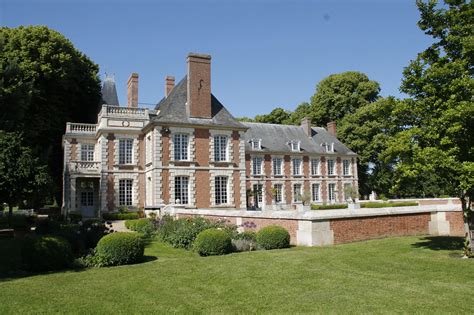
x,y
295,146
256,144
329,147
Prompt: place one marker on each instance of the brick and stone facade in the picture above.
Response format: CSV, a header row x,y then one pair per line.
x,y
190,152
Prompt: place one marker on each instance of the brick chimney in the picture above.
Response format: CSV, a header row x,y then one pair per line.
x,y
331,127
199,86
132,91
306,125
169,85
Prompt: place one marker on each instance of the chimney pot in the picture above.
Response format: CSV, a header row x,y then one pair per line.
x,y
331,127
306,125
199,86
132,91
169,85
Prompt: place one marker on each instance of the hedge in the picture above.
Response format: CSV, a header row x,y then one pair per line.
x,y
120,248
329,207
143,226
120,216
388,204
273,237
45,253
212,242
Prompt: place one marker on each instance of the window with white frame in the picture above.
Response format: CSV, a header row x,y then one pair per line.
x,y
332,191
220,190
295,146
329,147
257,165
315,169
125,192
258,191
125,151
277,166
278,192
181,144
87,152
330,167
347,191
346,167
220,148
297,192
315,192
256,144
149,149
181,190
297,163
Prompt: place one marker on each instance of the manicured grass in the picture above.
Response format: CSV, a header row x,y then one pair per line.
x,y
403,275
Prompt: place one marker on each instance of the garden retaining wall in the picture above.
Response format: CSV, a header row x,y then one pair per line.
x,y
328,227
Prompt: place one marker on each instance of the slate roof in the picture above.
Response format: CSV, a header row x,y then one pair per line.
x,y
173,110
109,91
275,138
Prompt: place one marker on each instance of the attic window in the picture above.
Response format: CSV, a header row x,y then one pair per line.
x,y
256,144
329,147
295,146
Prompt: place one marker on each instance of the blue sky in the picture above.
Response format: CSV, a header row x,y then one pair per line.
x,y
265,54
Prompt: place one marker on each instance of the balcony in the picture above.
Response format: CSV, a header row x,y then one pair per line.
x,y
75,128
84,167
123,112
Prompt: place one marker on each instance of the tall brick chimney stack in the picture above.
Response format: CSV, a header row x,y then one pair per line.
x,y
306,125
169,85
132,91
331,127
199,86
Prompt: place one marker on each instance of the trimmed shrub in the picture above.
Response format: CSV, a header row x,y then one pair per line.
x,y
120,216
143,226
45,253
273,237
120,249
329,207
212,242
74,217
388,204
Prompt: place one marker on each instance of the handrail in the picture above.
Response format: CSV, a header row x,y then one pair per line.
x,y
80,128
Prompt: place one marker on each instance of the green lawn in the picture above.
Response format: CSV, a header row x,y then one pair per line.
x,y
408,275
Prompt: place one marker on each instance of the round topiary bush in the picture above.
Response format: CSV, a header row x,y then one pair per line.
x,y
120,249
213,242
272,237
45,253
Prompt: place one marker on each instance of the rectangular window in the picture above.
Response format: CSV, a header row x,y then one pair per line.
x,y
181,143
295,146
181,195
87,152
346,167
87,198
315,192
277,166
330,167
257,168
257,190
315,167
220,148
149,149
347,191
297,192
297,167
278,189
125,192
332,192
125,151
221,190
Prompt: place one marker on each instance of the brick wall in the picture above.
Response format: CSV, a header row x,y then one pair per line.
x,y
203,188
290,225
456,223
357,229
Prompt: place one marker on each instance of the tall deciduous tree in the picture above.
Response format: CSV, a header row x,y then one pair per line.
x,y
45,83
22,177
438,137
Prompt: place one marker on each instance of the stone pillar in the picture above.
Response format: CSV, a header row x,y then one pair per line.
x,y
438,224
314,233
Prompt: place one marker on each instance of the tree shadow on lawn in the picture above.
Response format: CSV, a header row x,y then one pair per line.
x,y
441,243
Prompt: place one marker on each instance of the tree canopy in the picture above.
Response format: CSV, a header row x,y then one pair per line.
x,y
45,83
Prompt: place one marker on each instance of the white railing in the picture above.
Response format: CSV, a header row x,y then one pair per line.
x,y
81,128
116,111
85,166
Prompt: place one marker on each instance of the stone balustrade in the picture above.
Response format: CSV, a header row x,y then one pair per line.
x,y
123,112
81,128
85,167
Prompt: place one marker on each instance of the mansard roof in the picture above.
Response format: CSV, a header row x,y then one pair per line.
x,y
276,138
109,91
172,109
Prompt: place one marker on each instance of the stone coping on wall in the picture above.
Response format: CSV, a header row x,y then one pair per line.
x,y
321,214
